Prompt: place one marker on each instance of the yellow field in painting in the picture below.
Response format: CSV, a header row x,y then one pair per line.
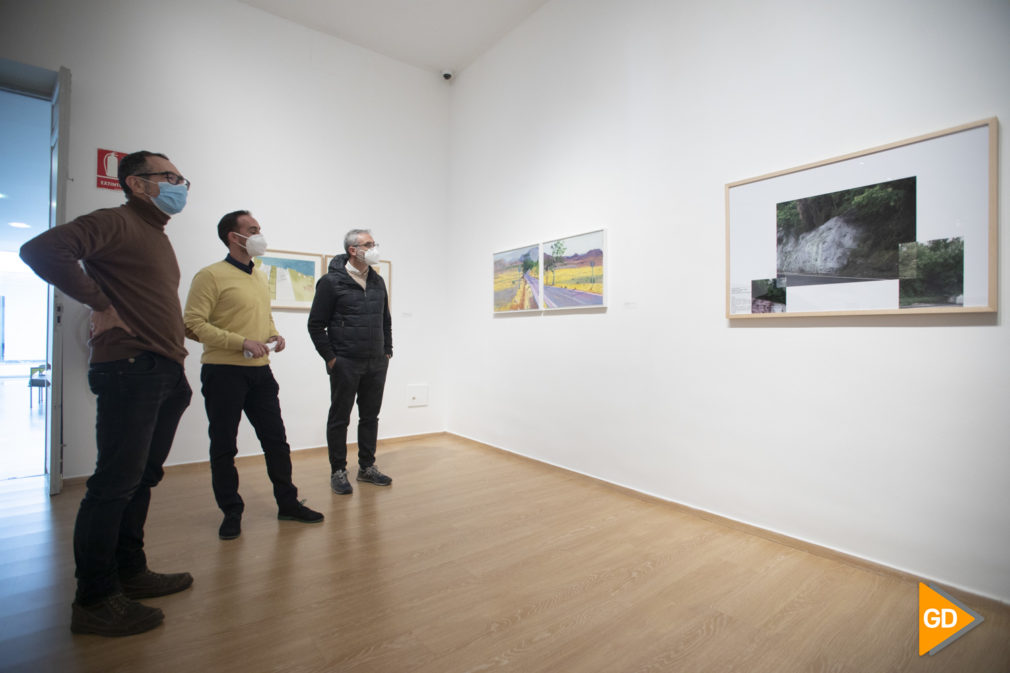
x,y
302,285
511,293
581,278
506,279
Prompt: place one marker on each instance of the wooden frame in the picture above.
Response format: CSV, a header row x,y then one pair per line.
x,y
292,277
913,229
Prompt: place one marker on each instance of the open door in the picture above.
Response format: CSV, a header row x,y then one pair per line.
x,y
58,144
45,84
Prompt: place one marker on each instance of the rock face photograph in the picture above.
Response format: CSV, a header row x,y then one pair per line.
x,y
847,236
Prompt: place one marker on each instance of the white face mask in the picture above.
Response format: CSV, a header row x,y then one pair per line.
x,y
255,245
370,256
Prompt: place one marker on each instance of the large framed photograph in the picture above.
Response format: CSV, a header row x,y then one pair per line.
x,y
573,272
516,280
292,277
906,228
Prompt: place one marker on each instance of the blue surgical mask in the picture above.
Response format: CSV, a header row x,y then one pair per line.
x,y
171,199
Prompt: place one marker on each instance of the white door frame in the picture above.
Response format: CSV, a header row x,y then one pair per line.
x,y
53,86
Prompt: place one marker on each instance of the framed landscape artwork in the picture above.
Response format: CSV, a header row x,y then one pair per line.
x,y
516,275
292,277
573,272
907,228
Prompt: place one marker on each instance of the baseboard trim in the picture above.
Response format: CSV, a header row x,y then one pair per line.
x,y
352,447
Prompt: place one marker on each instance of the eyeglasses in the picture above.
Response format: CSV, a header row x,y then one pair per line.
x,y
367,246
170,177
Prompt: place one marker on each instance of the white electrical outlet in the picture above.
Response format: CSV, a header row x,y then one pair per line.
x,y
417,395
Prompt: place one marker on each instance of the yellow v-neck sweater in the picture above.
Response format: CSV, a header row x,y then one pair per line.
x,y
225,307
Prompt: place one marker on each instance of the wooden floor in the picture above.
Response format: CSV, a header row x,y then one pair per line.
x,y
474,560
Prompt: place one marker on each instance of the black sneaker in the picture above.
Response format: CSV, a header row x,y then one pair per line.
x,y
299,512
231,527
149,584
339,483
372,475
114,615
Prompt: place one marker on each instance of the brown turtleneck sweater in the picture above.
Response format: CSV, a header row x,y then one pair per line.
x,y
128,263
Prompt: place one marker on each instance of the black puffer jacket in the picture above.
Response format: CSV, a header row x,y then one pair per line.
x,y
347,320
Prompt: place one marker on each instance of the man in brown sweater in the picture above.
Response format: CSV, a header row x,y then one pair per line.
x,y
130,280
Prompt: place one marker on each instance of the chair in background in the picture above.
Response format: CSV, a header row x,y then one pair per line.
x,y
37,378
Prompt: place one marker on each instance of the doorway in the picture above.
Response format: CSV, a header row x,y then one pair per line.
x,y
25,370
30,85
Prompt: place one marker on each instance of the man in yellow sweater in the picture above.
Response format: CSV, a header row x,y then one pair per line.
x,y
228,311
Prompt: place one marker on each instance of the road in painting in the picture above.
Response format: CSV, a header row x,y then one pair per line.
x,y
573,271
291,280
517,279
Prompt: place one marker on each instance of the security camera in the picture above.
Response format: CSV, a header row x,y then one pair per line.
x,y
447,75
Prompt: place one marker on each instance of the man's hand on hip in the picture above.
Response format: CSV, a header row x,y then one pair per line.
x,y
103,321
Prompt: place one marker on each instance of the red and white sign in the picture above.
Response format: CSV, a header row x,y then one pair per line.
x,y
108,168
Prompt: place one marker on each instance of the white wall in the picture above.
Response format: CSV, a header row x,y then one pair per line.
x,y
885,438
313,135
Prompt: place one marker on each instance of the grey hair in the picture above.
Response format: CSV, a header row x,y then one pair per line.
x,y
352,238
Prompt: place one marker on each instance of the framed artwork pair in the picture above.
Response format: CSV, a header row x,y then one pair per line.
x,y
564,273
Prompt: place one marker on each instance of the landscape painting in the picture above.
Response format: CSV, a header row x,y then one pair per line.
x,y
573,271
291,276
517,279
847,236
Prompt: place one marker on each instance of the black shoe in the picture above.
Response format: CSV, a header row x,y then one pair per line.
x,y
231,527
299,512
114,615
149,584
372,475
339,483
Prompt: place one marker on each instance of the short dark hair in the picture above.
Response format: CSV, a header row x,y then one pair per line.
x,y
132,164
228,224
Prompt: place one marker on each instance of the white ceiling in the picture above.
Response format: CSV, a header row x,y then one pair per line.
x,y
431,34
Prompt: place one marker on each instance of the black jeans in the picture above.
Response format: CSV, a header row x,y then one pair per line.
x,y
366,380
140,402
228,390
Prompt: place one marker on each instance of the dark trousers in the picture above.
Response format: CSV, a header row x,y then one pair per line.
x,y
350,378
140,402
228,390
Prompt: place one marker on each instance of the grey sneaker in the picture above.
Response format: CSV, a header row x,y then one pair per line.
x,y
339,483
372,475
114,615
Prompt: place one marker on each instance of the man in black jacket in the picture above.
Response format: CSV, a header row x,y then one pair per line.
x,y
351,328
